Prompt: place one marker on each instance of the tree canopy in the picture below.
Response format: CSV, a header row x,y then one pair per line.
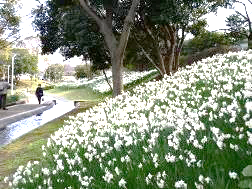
x,y
25,63
9,23
54,72
72,31
99,30
160,29
240,24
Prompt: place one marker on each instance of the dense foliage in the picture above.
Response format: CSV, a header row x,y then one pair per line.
x,y
24,63
54,72
9,22
206,40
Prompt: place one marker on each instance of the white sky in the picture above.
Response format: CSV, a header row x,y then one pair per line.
x,y
26,22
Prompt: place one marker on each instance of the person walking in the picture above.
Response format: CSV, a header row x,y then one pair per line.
x,y
3,94
39,93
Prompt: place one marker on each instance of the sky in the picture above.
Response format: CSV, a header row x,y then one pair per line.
x,y
26,17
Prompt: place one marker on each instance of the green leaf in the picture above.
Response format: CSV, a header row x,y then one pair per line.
x,y
245,183
247,171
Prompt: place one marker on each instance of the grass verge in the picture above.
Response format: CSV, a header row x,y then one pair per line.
x,y
74,93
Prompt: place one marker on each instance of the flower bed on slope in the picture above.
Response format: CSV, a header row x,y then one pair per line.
x,y
100,85
189,130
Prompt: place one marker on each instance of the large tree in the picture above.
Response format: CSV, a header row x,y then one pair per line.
x,y
240,24
54,72
25,63
102,18
162,26
9,23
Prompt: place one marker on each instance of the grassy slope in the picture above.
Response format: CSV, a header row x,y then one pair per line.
x,y
28,147
74,94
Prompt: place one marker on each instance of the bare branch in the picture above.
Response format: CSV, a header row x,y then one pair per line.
x,y
250,2
244,8
128,22
245,17
241,15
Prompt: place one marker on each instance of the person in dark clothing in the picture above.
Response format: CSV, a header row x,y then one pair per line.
x,y
3,94
39,93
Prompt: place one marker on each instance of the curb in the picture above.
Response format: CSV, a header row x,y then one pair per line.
x,y
16,103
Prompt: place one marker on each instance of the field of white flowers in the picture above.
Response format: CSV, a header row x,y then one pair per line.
x,y
189,130
99,83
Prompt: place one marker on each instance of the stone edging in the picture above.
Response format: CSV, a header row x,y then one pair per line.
x,y
12,119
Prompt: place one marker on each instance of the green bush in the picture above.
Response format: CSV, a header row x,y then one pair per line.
x,y
191,58
48,87
83,71
13,98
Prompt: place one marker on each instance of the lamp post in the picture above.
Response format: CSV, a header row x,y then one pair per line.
x,y
12,73
8,73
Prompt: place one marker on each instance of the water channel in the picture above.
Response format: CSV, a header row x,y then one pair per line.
x,y
17,129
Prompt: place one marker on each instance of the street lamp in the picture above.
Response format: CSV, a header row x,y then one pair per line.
x,y
8,73
12,73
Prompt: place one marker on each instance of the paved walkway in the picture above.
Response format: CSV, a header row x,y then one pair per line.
x,y
21,111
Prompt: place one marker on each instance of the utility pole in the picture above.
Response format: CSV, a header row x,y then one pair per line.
x,y
12,73
8,73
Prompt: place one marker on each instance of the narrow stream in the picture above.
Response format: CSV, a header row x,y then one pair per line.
x,y
17,129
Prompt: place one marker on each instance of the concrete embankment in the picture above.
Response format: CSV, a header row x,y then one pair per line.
x,y
21,111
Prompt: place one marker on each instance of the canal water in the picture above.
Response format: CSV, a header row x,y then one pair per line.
x,y
17,129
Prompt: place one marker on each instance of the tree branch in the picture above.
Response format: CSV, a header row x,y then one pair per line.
x,y
241,14
128,22
247,16
244,8
181,41
147,55
167,31
90,11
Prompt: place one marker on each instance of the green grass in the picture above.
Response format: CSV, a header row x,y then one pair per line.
x,y
74,94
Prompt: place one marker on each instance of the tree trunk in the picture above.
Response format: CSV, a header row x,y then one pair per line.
x,y
176,60
118,53
169,57
116,48
161,62
107,79
250,41
117,75
167,47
